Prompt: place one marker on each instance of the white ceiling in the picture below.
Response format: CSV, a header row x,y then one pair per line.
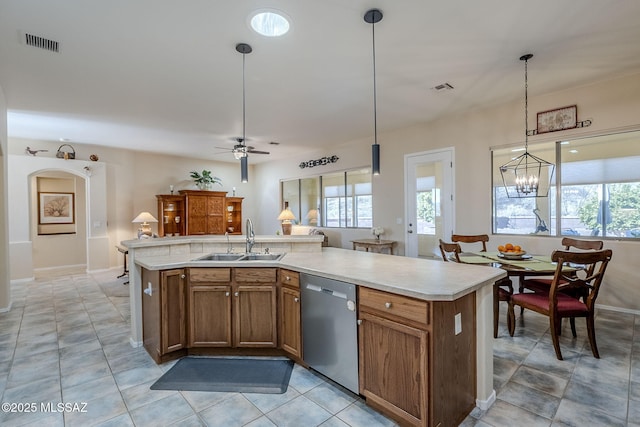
x,y
164,75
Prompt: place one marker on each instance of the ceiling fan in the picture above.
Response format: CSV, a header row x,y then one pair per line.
x,y
241,150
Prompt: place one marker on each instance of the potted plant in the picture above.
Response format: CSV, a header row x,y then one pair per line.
x,y
204,180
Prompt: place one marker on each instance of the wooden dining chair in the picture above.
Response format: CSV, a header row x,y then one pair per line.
x,y
450,251
502,289
559,301
476,238
541,284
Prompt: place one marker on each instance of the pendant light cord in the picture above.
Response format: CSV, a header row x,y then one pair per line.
x,y
243,101
375,103
526,107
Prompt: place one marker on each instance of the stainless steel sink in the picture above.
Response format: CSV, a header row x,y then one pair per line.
x,y
239,257
261,257
220,257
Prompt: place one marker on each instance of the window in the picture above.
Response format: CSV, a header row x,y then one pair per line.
x,y
347,199
598,193
341,200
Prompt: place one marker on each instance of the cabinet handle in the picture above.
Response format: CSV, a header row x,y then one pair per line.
x,y
149,290
236,294
226,294
359,322
296,299
287,278
387,304
182,276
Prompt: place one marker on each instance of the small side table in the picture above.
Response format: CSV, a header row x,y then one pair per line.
x,y
125,252
376,245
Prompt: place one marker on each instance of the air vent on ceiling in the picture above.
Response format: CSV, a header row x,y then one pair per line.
x,y
41,42
442,87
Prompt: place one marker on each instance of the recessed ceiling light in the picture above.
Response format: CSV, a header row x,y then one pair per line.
x,y
573,151
270,23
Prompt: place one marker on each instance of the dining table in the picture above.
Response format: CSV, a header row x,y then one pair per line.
x,y
528,265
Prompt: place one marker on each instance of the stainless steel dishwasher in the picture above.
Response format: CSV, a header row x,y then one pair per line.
x,y
329,329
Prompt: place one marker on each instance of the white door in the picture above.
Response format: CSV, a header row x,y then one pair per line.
x,y
428,201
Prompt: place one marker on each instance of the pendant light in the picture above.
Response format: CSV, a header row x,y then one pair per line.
x,y
244,49
527,175
373,16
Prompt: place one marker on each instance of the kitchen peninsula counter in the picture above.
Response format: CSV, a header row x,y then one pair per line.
x,y
423,279
418,278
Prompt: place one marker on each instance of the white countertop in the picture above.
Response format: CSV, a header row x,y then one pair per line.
x,y
420,278
209,238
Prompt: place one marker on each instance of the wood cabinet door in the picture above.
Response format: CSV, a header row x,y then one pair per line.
x,y
172,311
216,208
395,381
196,214
210,316
290,330
254,313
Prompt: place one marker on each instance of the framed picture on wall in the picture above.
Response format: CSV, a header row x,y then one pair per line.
x,y
56,208
558,119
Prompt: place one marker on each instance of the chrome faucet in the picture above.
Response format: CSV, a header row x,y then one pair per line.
x,y
228,242
251,237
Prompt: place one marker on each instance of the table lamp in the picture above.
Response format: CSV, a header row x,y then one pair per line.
x,y
144,219
286,216
312,216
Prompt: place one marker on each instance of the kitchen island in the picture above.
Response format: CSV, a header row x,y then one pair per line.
x,y
447,289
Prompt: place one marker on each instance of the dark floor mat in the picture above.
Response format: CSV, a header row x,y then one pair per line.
x,y
245,375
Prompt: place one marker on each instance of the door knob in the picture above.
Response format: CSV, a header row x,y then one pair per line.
x,y
226,294
236,294
296,299
387,304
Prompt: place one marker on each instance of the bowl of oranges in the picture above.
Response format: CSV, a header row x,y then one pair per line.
x,y
511,251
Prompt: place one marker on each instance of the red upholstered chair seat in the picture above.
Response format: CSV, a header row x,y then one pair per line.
x,y
567,306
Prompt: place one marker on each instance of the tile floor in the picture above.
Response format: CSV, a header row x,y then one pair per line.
x,y
67,340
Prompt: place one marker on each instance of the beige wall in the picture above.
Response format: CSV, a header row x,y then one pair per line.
x,y
611,105
5,274
134,177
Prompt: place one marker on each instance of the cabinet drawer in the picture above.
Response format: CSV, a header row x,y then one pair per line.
x,y
290,278
397,305
256,275
209,275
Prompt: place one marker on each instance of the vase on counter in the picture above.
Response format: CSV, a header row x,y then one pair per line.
x,y
203,185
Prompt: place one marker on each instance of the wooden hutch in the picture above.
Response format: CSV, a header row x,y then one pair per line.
x,y
195,212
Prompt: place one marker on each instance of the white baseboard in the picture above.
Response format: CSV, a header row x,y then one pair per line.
x,y
486,404
6,309
618,309
135,344
23,280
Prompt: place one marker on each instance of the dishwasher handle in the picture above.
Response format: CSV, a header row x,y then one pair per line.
x,y
327,291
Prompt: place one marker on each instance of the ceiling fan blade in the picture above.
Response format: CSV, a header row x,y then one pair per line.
x,y
257,152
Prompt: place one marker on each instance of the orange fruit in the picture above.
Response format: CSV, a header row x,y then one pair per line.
x,y
501,248
508,247
517,248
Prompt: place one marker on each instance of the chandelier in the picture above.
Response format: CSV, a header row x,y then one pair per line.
x,y
527,175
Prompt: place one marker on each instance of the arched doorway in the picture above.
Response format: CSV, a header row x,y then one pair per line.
x,y
58,221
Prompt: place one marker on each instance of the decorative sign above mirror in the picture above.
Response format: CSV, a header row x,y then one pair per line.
x,y
319,162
